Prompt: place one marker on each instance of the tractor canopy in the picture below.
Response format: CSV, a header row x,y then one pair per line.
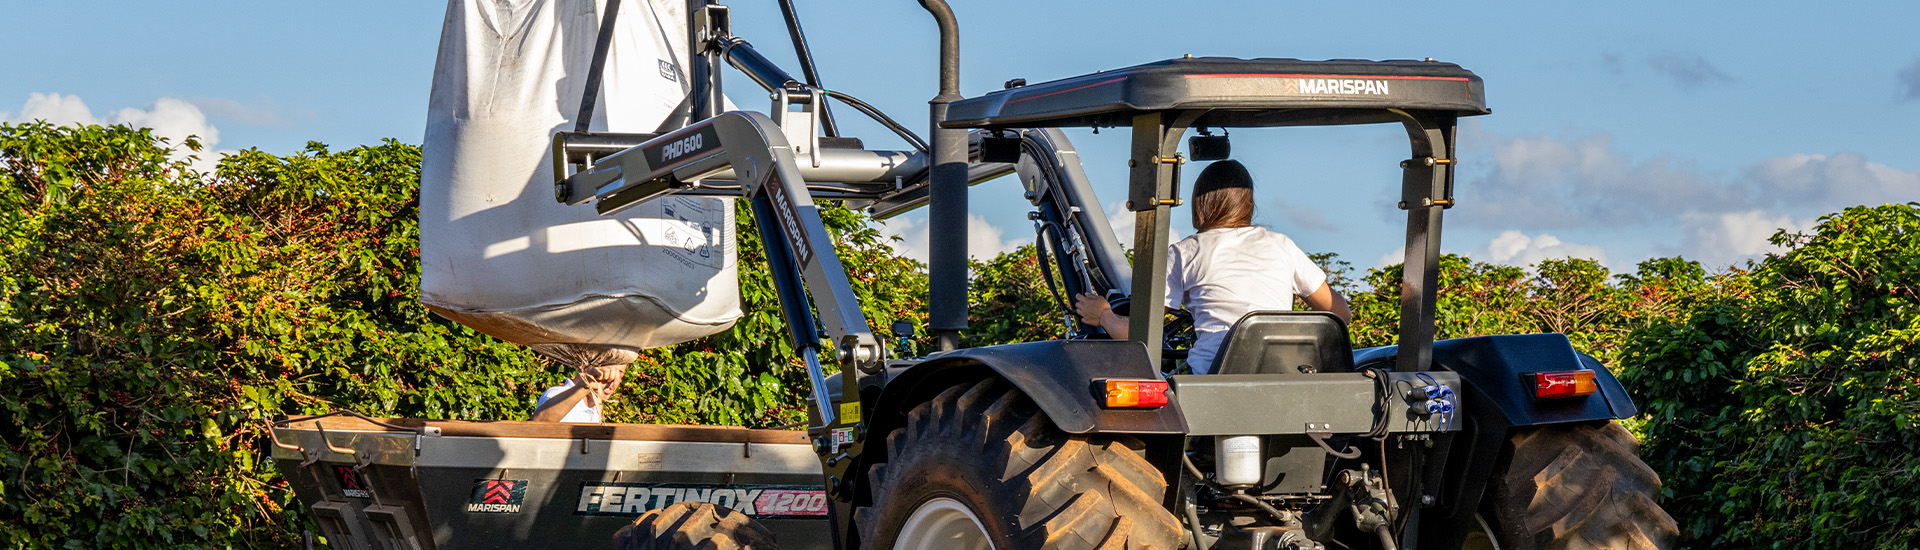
x,y
1234,92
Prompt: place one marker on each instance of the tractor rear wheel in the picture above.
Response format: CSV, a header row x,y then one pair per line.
x,y
1575,487
694,526
982,467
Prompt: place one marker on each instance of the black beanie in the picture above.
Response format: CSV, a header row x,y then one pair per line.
x,y
1224,174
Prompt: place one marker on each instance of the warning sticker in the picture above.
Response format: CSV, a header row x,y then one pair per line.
x,y
693,230
758,501
498,496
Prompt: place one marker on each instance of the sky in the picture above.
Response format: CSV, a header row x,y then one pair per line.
x,y
1621,131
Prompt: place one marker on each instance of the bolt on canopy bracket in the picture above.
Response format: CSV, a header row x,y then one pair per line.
x,y
1153,189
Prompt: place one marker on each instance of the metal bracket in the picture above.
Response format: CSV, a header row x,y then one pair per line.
x,y
711,24
1320,431
802,128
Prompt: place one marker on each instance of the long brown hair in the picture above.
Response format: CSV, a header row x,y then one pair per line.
x,y
1223,197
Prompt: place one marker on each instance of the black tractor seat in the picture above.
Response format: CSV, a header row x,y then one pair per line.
x,y
1286,342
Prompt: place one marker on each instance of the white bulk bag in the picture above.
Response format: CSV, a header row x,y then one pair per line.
x,y
497,253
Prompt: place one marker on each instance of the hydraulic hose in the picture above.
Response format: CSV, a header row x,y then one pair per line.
x,y
879,117
1236,495
800,49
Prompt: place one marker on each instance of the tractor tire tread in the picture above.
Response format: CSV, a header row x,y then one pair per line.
x,y
1576,487
1052,490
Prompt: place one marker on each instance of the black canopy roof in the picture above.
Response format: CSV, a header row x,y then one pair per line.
x,y
1237,93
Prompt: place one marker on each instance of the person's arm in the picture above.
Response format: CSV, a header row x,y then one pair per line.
x,y
557,407
1094,311
1325,299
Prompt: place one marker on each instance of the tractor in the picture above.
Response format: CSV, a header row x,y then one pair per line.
x,y
1295,440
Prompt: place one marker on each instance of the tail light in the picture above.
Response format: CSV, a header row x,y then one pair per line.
x,y
1136,394
1552,385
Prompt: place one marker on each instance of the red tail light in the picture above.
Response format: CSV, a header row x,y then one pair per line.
x,y
1550,385
1136,394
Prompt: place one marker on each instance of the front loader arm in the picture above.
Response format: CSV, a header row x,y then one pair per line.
x,y
807,273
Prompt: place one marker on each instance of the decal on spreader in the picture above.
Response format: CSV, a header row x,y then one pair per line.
x,y
758,501
350,482
499,496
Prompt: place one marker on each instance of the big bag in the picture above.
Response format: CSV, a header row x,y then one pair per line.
x,y
497,253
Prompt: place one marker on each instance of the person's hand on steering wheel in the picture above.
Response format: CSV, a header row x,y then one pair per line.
x,y
1096,312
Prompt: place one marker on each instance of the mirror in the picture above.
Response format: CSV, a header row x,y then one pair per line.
x,y
1207,146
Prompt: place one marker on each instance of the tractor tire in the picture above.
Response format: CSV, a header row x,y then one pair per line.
x,y
1575,487
987,469
694,526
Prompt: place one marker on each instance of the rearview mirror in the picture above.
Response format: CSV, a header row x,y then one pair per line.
x,y
994,148
1209,147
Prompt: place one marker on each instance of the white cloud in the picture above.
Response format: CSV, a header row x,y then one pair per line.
x,y
1719,240
1517,248
1122,221
984,240
907,236
173,119
1586,187
1398,255
1543,181
170,118
55,108
1829,183
1540,182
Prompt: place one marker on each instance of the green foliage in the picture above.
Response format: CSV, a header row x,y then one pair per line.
x,y
1008,300
1577,297
750,375
1782,409
155,318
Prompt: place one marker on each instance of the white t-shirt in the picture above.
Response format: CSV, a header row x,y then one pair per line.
x,y
1220,275
580,411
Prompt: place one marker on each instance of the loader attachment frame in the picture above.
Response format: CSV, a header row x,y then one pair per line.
x,y
807,274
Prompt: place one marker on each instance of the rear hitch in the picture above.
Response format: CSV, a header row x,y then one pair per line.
x,y
1365,496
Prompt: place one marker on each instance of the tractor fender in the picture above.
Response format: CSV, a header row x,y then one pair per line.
x,y
1491,367
1058,375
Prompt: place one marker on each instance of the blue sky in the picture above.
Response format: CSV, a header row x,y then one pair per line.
x,y
1621,130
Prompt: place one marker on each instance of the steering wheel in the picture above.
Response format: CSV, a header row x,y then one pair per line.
x,y
1176,334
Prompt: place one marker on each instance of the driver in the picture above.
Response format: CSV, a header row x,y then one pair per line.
x,y
1228,269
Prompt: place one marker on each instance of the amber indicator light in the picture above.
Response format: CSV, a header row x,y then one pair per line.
x,y
1136,394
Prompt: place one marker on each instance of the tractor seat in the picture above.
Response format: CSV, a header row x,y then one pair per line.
x,y
1286,342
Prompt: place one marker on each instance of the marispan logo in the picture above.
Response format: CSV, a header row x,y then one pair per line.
x,y
498,491
350,484
501,496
